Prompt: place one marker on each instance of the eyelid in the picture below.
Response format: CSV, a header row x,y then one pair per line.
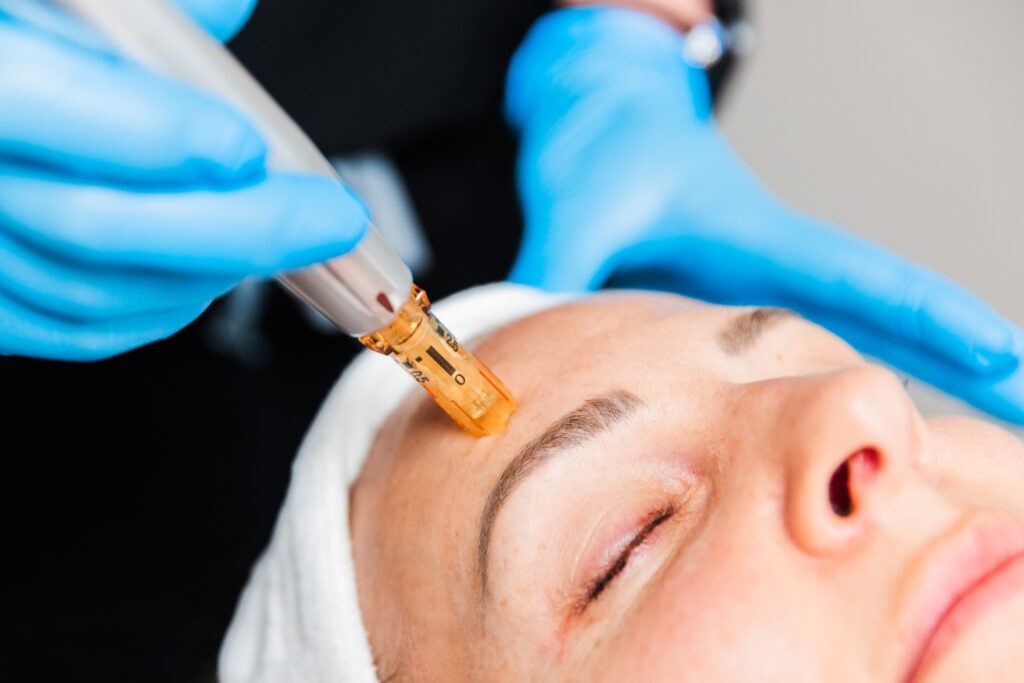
x,y
669,479
620,553
613,571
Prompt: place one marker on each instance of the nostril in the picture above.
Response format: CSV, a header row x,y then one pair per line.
x,y
863,462
839,491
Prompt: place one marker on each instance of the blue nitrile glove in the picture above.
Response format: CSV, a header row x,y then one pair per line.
x,y
129,201
624,175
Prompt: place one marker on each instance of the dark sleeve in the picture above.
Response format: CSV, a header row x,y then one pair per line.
x,y
379,73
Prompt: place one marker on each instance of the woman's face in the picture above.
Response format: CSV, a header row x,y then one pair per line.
x,y
691,492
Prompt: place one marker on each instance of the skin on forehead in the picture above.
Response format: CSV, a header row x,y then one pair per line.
x,y
417,506
429,480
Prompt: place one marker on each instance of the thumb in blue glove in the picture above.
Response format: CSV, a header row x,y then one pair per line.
x,y
128,201
624,177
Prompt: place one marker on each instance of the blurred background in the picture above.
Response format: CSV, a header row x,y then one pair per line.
x,y
137,492
900,121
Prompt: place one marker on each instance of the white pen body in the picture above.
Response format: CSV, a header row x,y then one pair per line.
x,y
359,291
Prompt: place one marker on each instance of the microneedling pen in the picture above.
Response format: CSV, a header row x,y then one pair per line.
x,y
368,292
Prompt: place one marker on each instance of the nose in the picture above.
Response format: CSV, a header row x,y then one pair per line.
x,y
845,443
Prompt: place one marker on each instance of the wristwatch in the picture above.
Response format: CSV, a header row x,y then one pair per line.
x,y
717,44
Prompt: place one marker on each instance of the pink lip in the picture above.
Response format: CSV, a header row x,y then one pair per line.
x,y
970,571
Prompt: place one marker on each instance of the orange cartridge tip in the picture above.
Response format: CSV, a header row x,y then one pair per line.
x,y
464,387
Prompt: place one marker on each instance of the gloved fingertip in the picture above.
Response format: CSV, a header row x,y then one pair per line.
x,y
328,221
966,330
352,219
995,365
1004,398
999,350
221,18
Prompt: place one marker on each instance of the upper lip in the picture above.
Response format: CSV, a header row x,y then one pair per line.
x,y
956,564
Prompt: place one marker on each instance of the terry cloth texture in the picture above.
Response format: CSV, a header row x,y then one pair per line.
x,y
298,618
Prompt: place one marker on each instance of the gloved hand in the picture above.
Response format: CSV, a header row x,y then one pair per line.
x,y
129,201
623,175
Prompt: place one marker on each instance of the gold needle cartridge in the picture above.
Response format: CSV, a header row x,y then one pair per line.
x,y
463,386
358,291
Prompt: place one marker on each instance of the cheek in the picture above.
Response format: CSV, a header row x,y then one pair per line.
x,y
732,614
976,465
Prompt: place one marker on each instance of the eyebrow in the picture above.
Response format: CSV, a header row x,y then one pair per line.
x,y
742,331
595,416
598,415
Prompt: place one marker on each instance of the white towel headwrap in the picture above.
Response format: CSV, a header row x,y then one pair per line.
x,y
298,618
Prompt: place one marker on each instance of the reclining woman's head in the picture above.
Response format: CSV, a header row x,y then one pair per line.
x,y
690,492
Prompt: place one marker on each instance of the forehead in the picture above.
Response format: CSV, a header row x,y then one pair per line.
x,y
549,361
555,357
588,333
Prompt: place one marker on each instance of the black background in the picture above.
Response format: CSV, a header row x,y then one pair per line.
x,y
138,491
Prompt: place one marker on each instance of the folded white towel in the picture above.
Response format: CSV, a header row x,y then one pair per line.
x,y
298,618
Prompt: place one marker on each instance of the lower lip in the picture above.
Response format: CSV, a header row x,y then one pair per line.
x,y
988,594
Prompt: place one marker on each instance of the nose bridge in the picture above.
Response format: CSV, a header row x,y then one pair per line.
x,y
839,444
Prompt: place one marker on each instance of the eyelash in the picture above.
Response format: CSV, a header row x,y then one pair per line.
x,y
616,567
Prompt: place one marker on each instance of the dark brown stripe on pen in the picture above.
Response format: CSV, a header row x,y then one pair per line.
x,y
440,360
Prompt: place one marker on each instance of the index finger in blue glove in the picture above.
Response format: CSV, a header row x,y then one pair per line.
x,y
830,270
774,256
103,116
282,222
1002,397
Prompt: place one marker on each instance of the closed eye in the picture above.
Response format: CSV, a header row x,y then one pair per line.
x,y
610,573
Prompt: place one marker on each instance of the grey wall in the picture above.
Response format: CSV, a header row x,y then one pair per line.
x,y
901,120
